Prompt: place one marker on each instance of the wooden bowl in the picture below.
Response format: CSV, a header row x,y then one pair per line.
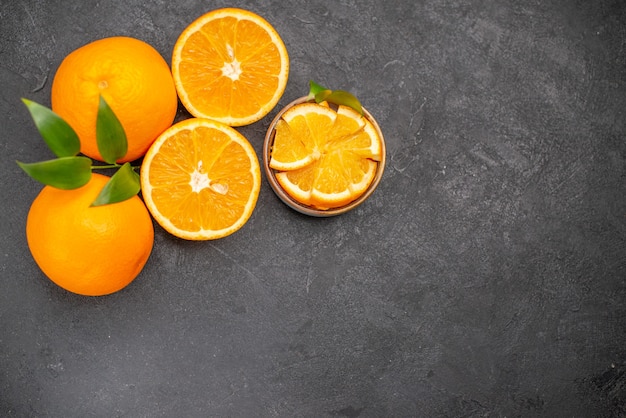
x,y
305,209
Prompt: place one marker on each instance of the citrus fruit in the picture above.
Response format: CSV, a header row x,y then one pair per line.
x,y
87,250
230,65
131,76
325,157
201,179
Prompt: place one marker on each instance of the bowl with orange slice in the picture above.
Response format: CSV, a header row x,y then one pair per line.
x,y
324,154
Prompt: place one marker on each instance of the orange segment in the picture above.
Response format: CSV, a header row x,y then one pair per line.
x,y
230,65
334,154
201,179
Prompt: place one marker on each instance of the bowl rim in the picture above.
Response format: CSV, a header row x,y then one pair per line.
x,y
270,173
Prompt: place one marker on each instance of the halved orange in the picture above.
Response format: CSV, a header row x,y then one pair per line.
x,y
336,154
201,179
230,65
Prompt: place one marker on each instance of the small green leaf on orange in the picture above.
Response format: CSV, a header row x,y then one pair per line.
x,y
123,185
322,95
338,97
110,135
56,132
63,173
341,97
314,89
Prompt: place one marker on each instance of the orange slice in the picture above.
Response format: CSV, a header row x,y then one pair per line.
x,y
201,179
289,155
325,158
230,65
300,135
330,182
354,132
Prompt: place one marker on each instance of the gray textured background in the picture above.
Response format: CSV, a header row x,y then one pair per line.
x,y
484,278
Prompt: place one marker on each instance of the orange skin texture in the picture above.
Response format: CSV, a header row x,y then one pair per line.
x,y
90,251
131,76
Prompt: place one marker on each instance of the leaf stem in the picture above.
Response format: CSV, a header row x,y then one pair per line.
x,y
106,166
102,167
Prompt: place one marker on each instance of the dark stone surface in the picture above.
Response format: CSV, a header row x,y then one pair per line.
x,y
485,277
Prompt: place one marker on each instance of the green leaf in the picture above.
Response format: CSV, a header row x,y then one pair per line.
x,y
123,185
58,134
314,89
341,97
63,173
338,97
110,134
322,95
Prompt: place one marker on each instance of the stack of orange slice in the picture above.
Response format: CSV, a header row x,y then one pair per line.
x,y
325,157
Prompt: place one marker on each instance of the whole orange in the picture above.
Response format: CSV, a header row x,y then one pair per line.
x,y
131,76
89,250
